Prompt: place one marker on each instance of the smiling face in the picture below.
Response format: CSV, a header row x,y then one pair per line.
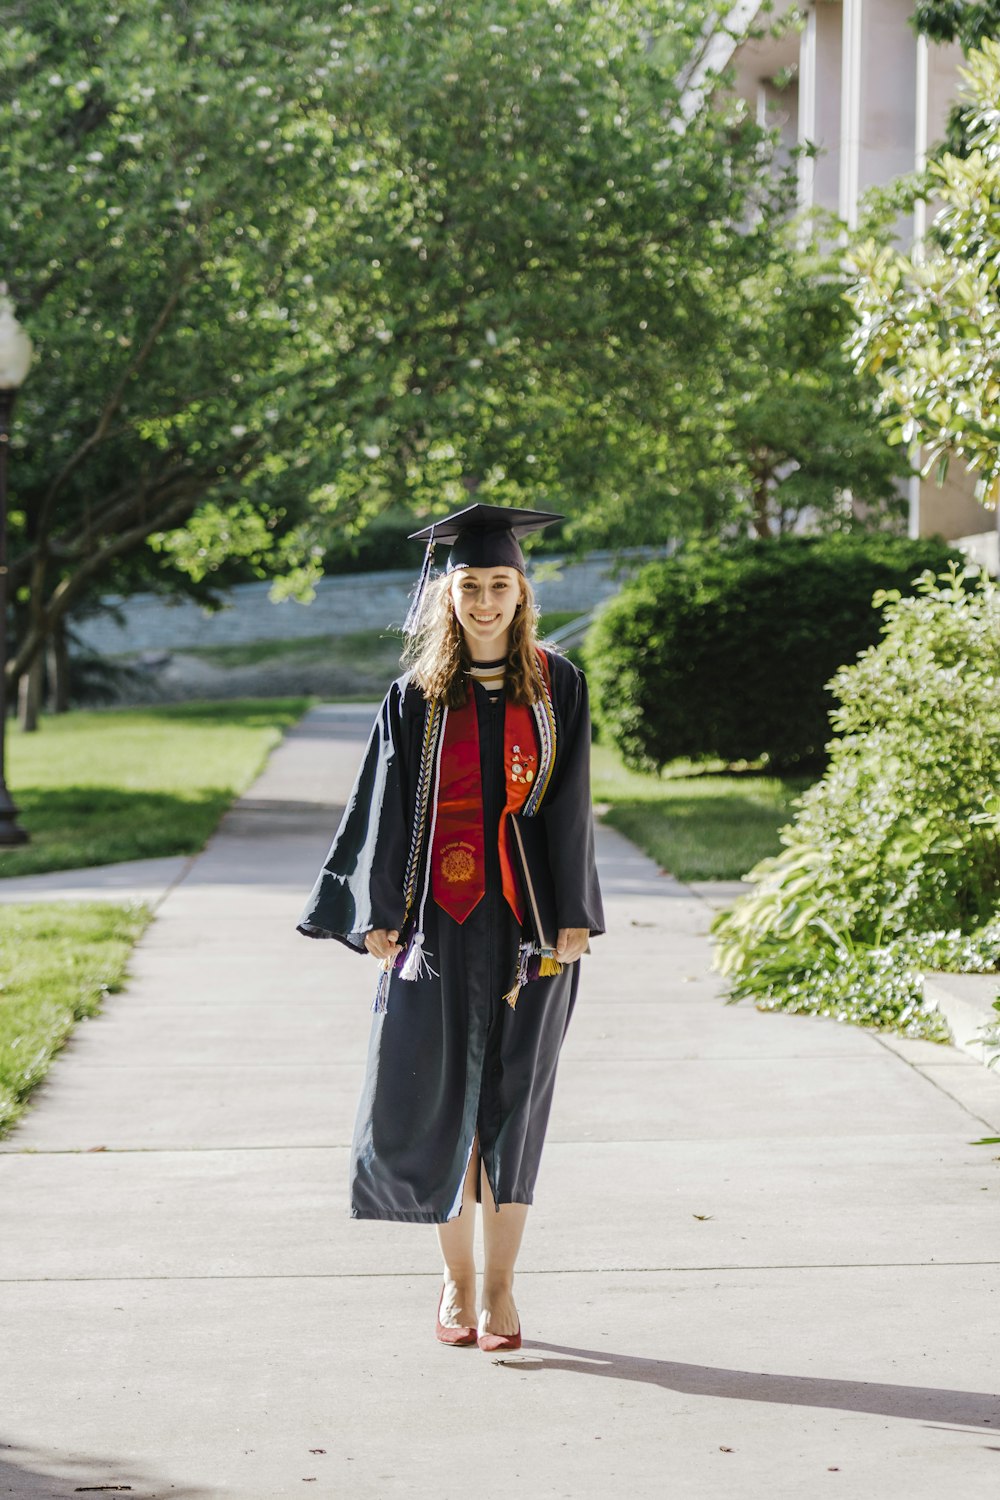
x,y
486,601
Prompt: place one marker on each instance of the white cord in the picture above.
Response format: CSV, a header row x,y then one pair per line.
x,y
416,960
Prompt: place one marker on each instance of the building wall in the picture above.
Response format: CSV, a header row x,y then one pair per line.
x,y
873,98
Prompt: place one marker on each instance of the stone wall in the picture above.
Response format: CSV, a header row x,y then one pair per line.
x,y
353,602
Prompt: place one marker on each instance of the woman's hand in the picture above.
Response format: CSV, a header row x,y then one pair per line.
x,y
381,943
572,942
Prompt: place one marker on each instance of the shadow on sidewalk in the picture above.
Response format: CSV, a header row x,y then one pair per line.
x,y
918,1403
28,1480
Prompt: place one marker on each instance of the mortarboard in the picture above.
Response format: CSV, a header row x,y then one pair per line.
x,y
480,536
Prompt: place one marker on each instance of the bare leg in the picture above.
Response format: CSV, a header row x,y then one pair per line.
x,y
502,1233
456,1239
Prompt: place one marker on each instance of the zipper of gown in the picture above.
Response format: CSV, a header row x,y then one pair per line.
x,y
495,1005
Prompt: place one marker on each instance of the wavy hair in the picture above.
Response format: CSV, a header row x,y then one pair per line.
x,y
438,654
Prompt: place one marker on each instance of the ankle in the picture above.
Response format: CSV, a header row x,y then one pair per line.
x,y
497,1289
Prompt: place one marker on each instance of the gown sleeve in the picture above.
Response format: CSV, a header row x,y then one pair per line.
x,y
361,884
566,808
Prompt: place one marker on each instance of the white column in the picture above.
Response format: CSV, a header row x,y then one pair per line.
x,y
829,75
937,86
920,156
879,99
807,108
850,112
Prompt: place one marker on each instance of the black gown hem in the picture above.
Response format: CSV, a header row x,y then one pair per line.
x,y
418,1216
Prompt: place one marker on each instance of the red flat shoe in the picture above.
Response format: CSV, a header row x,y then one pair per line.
x,y
497,1343
462,1337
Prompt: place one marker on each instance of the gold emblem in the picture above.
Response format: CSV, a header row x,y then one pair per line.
x,y
457,863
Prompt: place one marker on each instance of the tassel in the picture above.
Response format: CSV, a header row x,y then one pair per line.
x,y
521,976
415,965
549,966
412,621
512,994
381,1002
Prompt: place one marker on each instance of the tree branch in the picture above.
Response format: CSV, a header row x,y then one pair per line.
x,y
115,399
69,589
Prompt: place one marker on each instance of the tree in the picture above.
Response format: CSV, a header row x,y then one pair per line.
x,y
159,278
803,434
929,323
286,266
969,23
958,21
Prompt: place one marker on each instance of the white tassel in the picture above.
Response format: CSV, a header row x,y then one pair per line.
x,y
415,965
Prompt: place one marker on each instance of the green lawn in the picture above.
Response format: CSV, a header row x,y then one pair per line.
x,y
697,822
57,962
556,619
114,784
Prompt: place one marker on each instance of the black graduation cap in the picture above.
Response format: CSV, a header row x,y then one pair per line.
x,y
480,536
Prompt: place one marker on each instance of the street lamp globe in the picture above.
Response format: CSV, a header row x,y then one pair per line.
x,y
15,346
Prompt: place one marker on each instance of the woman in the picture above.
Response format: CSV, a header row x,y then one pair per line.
x,y
465,864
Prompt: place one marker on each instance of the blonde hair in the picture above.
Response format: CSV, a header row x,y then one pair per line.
x,y
438,654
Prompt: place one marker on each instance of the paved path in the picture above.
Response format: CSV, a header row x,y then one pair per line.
x,y
764,1260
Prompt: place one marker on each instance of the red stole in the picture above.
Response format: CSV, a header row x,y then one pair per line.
x,y
458,857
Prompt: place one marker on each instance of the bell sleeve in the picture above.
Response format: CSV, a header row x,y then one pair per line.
x,y
567,809
361,884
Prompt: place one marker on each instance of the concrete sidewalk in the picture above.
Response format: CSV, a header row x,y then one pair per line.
x,y
764,1259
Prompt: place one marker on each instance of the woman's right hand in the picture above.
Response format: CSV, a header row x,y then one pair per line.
x,y
382,943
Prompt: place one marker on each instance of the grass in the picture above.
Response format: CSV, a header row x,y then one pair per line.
x,y
699,822
556,619
97,787
57,962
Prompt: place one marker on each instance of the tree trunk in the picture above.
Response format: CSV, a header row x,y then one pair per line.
x,y
57,667
761,499
29,695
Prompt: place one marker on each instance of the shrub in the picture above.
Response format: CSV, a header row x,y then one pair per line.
x,y
892,864
727,653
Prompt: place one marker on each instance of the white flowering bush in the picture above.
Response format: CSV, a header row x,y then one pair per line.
x,y
892,865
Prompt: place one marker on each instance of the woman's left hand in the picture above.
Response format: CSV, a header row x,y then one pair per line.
x,y
572,942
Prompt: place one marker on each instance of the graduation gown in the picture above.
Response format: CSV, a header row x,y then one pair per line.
x,y
449,1058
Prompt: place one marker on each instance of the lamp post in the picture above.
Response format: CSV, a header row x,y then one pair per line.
x,y
15,361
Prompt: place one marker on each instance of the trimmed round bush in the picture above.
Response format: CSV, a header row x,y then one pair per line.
x,y
728,653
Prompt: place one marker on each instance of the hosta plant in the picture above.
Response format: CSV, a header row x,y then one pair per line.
x,y
892,864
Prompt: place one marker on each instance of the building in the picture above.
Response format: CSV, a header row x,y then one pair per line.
x,y
854,79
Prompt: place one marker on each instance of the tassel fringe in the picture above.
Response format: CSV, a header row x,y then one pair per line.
x,y
381,1002
532,963
416,965
521,976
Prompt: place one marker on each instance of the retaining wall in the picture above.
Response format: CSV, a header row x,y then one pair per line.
x,y
356,601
